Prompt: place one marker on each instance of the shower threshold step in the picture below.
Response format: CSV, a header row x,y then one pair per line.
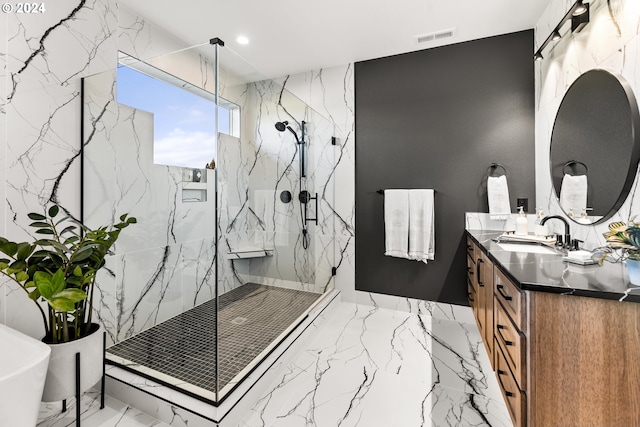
x,y
167,403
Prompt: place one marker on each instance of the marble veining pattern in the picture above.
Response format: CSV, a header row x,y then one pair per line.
x,y
611,41
375,367
114,414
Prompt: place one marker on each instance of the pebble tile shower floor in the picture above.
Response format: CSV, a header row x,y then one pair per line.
x,y
251,317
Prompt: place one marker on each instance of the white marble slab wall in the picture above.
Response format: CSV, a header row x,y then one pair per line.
x,y
610,41
43,56
330,91
255,169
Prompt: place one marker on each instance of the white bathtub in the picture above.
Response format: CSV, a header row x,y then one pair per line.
x,y
23,369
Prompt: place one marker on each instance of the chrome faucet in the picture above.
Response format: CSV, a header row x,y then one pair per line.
x,y
567,232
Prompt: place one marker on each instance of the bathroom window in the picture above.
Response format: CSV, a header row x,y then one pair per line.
x,y
183,115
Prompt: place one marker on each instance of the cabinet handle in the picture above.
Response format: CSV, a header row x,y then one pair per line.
x,y
508,393
501,372
480,262
502,294
506,342
469,247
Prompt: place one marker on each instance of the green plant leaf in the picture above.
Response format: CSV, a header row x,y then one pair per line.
x,y
53,210
36,216
61,304
24,250
42,280
34,295
74,295
132,220
57,281
77,271
9,248
82,254
68,229
74,281
17,266
44,231
21,276
40,224
30,285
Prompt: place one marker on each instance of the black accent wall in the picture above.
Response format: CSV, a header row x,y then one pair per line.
x,y
437,119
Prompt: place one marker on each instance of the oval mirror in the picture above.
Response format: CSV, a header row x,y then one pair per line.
x,y
595,146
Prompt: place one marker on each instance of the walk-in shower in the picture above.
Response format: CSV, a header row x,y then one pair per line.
x,y
219,271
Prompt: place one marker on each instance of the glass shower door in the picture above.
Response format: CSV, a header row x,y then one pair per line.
x,y
275,192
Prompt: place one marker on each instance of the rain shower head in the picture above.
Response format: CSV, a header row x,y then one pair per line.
x,y
281,126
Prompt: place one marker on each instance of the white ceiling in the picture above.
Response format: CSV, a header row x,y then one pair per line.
x,y
291,36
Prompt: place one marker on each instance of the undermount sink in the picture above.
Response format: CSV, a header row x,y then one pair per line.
x,y
527,248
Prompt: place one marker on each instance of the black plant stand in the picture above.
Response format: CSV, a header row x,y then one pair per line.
x,y
78,391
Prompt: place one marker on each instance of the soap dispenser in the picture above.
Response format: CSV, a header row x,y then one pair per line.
x,y
522,225
540,229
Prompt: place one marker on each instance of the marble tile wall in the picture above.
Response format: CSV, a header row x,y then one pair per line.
x,y
39,120
611,41
47,56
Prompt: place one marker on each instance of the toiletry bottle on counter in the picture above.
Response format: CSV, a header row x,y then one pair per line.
x,y
522,225
540,229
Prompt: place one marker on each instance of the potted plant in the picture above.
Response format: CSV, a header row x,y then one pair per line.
x,y
60,268
623,244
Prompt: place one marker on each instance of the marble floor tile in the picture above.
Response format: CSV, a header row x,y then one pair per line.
x,y
375,367
114,414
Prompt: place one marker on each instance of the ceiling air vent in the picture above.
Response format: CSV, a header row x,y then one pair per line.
x,y
438,35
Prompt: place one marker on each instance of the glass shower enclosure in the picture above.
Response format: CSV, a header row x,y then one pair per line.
x,y
230,176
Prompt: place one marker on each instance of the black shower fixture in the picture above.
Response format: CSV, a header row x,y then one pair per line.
x,y
281,126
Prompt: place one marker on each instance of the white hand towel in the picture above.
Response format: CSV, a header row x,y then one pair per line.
x,y
396,223
573,193
421,225
498,195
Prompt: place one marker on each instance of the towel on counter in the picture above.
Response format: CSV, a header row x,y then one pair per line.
x,y
396,223
573,193
498,195
421,225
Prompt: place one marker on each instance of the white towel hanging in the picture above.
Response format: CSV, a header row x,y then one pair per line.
x,y
396,223
498,195
421,225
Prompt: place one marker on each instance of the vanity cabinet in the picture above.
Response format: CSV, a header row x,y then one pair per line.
x,y
560,359
510,345
480,284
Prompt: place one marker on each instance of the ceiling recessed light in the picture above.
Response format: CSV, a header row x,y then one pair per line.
x,y
242,40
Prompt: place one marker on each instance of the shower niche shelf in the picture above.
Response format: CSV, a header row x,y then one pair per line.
x,y
249,252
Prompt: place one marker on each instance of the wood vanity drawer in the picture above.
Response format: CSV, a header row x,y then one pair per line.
x,y
471,248
513,396
512,342
510,297
471,267
471,292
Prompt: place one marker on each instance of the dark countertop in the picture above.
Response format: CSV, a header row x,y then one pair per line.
x,y
549,273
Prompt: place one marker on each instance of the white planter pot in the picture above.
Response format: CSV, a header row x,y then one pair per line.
x,y
61,376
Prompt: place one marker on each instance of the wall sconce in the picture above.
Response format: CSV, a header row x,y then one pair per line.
x,y
578,14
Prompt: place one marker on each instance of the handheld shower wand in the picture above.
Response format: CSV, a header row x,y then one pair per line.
x,y
304,194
